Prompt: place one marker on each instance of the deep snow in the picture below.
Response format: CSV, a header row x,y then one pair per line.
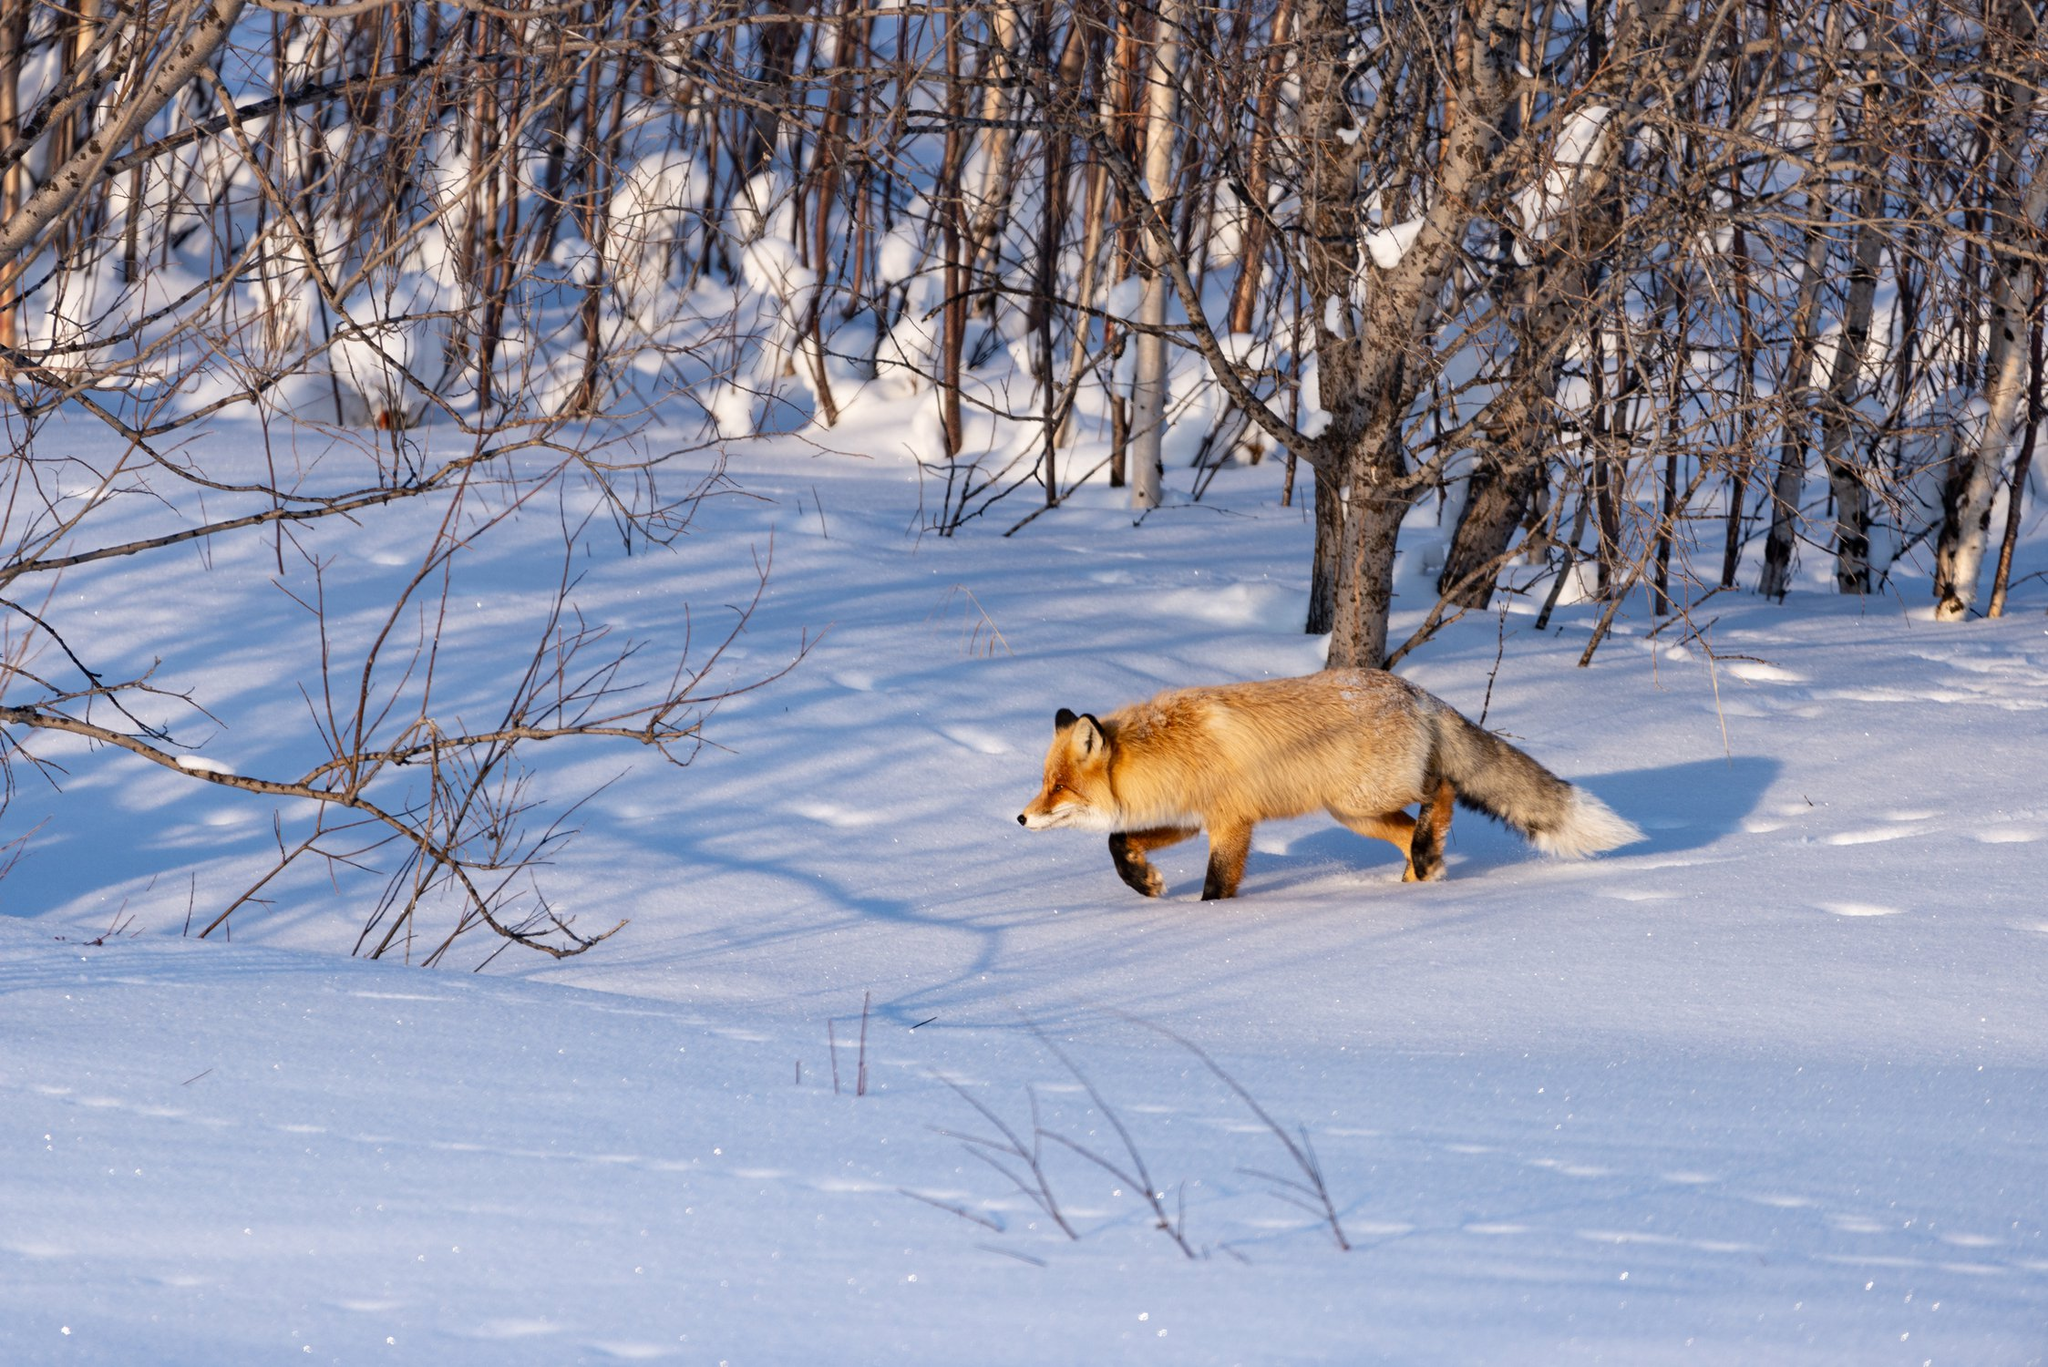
x,y
1768,1087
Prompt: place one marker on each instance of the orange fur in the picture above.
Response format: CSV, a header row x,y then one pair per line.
x,y
1359,744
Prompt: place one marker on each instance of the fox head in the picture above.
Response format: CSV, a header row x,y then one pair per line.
x,y
1076,791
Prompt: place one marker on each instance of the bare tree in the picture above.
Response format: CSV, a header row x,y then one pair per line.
x,y
366,281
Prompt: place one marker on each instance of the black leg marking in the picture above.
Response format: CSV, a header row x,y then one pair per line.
x,y
1432,824
1228,849
1133,867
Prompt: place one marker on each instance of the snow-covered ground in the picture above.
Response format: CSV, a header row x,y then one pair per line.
x,y
1769,1087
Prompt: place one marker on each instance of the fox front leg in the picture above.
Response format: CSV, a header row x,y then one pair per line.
x,y
1127,850
1228,847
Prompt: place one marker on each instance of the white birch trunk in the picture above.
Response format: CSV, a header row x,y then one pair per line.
x,y
997,140
1959,561
1148,387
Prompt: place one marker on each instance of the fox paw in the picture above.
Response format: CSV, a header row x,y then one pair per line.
x,y
1143,878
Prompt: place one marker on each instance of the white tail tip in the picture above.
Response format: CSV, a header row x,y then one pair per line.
x,y
1589,827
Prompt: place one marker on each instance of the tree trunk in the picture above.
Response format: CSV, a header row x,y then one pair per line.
x,y
13,176
1837,420
1367,390
1084,291
1743,457
1973,480
1149,381
1096,240
1365,573
2016,488
775,69
1496,500
1322,577
991,195
1510,470
1788,487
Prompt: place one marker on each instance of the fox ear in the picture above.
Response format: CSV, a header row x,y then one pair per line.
x,y
1063,718
1088,737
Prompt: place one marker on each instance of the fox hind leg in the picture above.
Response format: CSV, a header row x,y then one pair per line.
x,y
1127,851
1228,848
1397,828
1432,828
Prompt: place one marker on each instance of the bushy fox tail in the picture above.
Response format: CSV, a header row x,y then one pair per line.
x,y
1494,777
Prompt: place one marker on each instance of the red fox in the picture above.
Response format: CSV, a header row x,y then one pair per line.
x,y
1359,744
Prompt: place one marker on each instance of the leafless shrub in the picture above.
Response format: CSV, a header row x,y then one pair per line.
x,y
977,632
860,1071
444,239
1309,1191
1136,1175
1023,1164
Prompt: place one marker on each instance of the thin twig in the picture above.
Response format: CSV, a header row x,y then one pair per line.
x,y
951,1209
1139,1176
1303,1153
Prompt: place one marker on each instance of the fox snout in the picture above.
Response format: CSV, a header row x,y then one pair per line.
x,y
1037,816
1049,812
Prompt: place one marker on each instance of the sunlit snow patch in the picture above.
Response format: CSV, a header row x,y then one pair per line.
x,y
1756,671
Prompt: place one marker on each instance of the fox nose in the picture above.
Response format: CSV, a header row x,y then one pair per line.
x,y
1020,819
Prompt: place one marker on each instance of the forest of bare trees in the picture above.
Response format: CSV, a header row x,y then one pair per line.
x,y
1643,300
